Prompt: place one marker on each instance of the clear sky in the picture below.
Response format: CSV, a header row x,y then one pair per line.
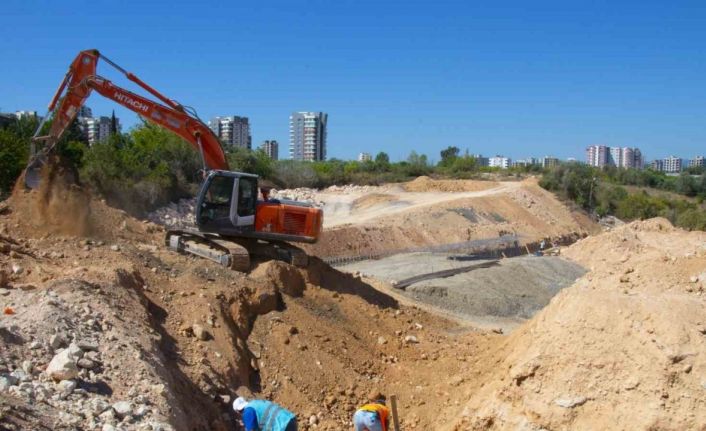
x,y
519,78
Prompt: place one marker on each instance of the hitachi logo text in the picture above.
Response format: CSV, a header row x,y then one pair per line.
x,y
130,101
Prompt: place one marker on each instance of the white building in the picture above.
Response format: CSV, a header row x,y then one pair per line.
x,y
672,165
499,162
233,131
98,129
697,161
621,157
365,157
271,148
26,114
529,161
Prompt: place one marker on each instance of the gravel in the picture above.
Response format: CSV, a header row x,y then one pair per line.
x,y
516,288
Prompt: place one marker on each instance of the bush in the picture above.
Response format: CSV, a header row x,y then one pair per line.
x,y
594,189
13,159
142,170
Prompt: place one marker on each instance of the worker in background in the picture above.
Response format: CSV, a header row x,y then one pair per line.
x,y
374,416
265,193
261,415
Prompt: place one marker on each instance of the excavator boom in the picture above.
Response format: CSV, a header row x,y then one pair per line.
x,y
76,87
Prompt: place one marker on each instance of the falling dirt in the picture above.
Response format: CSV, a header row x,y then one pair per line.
x,y
58,206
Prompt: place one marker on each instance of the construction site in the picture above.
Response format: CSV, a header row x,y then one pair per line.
x,y
480,305
471,304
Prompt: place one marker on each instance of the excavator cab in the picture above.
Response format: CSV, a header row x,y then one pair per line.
x,y
227,203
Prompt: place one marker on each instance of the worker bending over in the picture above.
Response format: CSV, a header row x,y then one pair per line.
x,y
261,415
374,416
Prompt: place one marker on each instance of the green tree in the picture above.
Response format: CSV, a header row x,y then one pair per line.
x,y
252,162
463,164
449,156
417,164
13,158
382,162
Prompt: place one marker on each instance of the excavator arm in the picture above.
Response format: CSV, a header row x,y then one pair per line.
x,y
76,87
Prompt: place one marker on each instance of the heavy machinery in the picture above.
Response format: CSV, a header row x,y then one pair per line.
x,y
232,224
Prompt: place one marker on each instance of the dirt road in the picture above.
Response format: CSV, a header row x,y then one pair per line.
x,y
361,208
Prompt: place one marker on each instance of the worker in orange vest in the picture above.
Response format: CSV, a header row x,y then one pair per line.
x,y
374,416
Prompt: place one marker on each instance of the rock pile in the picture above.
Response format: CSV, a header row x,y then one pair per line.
x,y
301,194
66,353
352,188
178,215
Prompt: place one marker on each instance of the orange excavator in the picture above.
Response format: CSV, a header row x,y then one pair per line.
x,y
231,223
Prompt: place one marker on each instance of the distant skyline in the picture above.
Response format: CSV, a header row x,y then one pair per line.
x,y
514,78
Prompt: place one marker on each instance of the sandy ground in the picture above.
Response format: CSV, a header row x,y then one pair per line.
x,y
624,347
360,208
392,219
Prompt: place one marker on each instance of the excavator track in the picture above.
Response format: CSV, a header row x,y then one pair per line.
x,y
227,253
231,252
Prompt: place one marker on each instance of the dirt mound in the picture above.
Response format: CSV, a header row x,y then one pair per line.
x,y
372,199
426,184
623,348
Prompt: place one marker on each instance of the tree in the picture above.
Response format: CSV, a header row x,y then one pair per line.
x,y
448,156
382,157
382,162
417,164
464,164
13,158
113,124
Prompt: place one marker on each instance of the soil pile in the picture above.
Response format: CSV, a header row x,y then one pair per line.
x,y
426,184
623,348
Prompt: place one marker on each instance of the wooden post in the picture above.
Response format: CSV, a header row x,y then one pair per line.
x,y
395,419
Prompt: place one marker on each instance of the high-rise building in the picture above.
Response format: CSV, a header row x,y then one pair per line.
x,y
98,129
615,156
84,112
233,131
550,162
499,162
364,157
597,155
307,135
657,165
697,162
631,158
671,165
622,157
271,148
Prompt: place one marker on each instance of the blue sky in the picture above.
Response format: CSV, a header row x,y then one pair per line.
x,y
516,78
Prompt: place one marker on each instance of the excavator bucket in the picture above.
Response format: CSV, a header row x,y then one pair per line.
x,y
38,159
33,172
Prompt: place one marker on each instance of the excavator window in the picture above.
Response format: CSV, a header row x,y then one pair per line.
x,y
247,196
216,203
